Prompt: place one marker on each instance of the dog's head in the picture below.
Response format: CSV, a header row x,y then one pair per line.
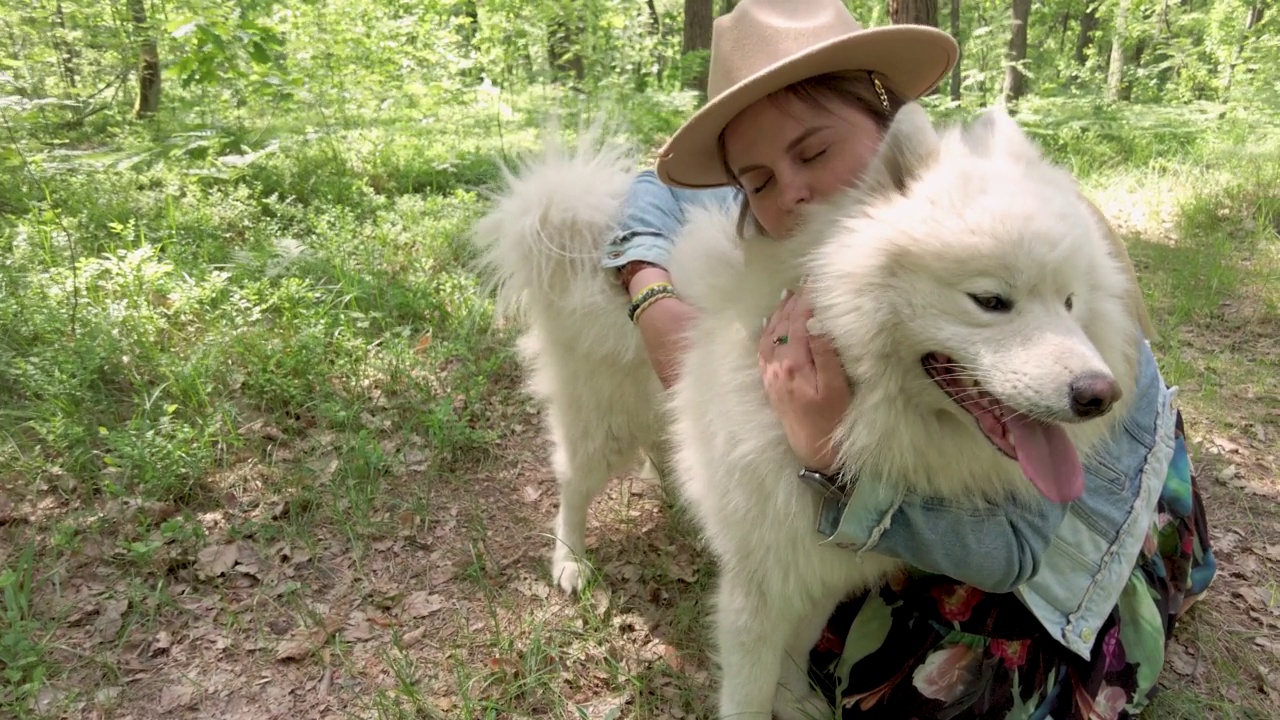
x,y
970,289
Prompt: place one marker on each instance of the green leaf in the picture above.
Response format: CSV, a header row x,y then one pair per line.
x,y
865,636
260,53
1141,633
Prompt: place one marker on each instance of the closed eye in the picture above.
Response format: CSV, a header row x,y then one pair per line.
x,y
814,156
760,188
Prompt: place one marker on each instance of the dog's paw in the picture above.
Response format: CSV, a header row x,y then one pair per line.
x,y
807,704
570,574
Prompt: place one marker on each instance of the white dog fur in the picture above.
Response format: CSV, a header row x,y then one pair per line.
x,y
893,266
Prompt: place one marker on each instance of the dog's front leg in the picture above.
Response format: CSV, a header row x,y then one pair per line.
x,y
754,632
749,642
796,697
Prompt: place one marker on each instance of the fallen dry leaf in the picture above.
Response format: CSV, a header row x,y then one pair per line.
x,y
606,708
504,665
413,637
216,560
1180,659
110,618
531,587
47,697
1226,543
301,643
422,604
175,697
415,460
670,654
357,627
408,522
247,561
1267,643
324,467
161,642
105,695
683,568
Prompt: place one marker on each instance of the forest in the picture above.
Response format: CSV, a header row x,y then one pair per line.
x,y
264,447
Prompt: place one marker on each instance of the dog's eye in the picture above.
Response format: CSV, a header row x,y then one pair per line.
x,y
993,303
1068,303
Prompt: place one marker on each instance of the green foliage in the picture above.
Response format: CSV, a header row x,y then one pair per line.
x,y
21,645
215,42
275,266
286,239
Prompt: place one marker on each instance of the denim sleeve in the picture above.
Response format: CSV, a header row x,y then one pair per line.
x,y
994,548
998,548
652,215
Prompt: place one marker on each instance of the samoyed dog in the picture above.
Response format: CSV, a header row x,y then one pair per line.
x,y
976,300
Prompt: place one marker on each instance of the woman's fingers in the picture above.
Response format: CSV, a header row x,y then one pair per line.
x,y
775,327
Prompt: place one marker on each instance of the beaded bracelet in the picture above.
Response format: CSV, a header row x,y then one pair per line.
x,y
647,297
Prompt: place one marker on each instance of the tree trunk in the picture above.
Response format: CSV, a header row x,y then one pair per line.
x,y
1115,71
148,101
653,17
1132,63
1251,21
66,51
562,48
468,9
914,12
697,36
1015,81
955,33
1064,23
1088,24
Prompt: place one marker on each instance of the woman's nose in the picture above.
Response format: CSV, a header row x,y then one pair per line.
x,y
794,191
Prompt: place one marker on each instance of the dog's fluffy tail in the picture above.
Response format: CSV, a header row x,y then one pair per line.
x,y
543,238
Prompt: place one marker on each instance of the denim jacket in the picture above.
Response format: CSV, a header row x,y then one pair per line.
x,y
1067,563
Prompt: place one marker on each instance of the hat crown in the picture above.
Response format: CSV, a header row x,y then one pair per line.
x,y
758,34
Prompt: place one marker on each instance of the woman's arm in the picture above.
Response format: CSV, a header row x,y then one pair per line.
x,y
662,325
652,215
994,548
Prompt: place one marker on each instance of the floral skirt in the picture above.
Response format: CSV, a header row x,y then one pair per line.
x,y
931,647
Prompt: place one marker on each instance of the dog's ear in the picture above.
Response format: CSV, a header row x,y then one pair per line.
x,y
909,147
995,133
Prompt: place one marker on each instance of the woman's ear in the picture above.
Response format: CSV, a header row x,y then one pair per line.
x,y
910,146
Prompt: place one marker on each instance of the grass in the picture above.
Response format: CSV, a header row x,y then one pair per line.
x,y
263,450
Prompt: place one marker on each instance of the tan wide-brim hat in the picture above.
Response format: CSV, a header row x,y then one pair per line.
x,y
765,45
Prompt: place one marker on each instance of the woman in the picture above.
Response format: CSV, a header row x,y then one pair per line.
x,y
1058,610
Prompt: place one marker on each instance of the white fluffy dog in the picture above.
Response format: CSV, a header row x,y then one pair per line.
x,y
972,294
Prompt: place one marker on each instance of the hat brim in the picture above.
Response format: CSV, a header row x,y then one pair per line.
x,y
910,59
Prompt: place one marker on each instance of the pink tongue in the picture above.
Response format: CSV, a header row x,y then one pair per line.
x,y
1047,458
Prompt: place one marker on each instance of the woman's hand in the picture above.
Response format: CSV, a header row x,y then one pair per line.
x,y
804,381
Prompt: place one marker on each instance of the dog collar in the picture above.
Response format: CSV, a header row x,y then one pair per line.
x,y
834,490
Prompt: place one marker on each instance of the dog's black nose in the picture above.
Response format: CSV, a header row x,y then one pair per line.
x,y
1093,394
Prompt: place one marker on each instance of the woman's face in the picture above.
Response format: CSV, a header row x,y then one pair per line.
x,y
784,152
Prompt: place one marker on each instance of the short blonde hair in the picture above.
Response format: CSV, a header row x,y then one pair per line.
x,y
859,89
